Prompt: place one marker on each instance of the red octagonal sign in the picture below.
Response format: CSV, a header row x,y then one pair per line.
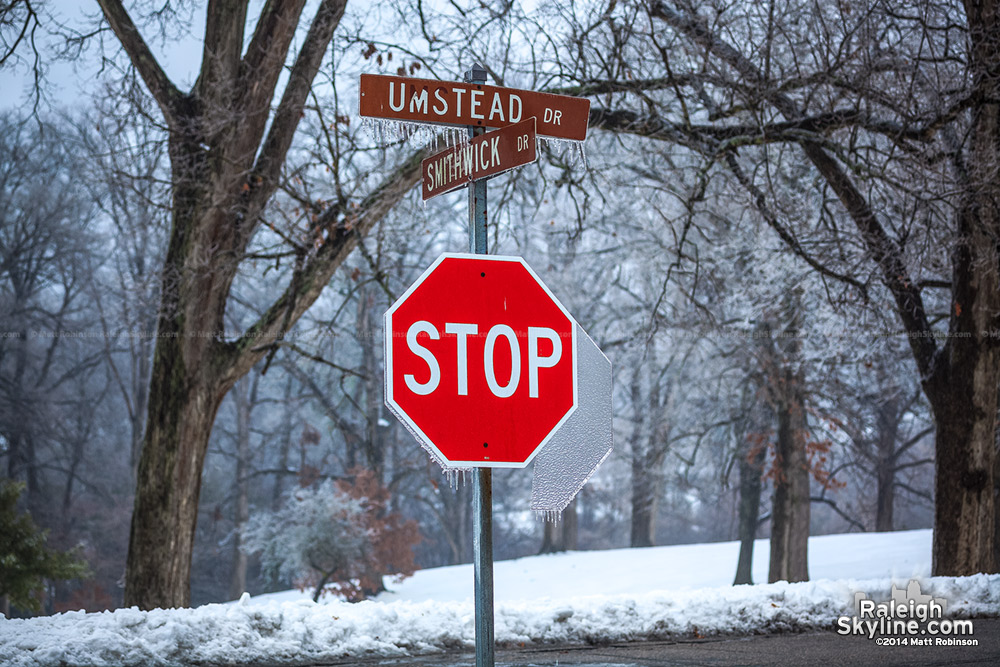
x,y
480,361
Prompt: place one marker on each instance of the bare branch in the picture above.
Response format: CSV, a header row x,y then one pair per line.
x,y
305,287
833,505
883,250
913,464
911,442
760,202
290,109
265,60
220,60
167,96
30,25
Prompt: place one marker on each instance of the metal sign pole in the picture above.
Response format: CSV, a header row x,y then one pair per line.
x,y
482,488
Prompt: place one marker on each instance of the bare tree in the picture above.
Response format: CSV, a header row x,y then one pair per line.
x,y
126,175
226,151
886,106
784,388
888,429
45,248
750,451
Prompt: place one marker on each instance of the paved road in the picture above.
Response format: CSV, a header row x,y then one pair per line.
x,y
821,649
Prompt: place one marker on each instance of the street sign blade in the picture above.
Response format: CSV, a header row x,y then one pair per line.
x,y
414,100
482,157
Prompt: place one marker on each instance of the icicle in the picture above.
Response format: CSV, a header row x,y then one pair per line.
x,y
457,476
384,130
371,127
550,516
572,152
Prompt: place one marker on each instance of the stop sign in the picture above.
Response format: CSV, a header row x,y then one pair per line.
x,y
480,361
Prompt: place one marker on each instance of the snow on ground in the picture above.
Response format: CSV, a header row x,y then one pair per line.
x,y
901,555
616,595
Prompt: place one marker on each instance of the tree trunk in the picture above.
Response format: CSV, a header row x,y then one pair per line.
x,y
885,496
996,505
21,462
643,504
184,397
244,404
193,368
790,505
227,148
888,416
551,537
570,527
790,511
996,492
561,535
962,387
186,389
286,443
964,510
456,520
374,449
165,513
140,397
751,467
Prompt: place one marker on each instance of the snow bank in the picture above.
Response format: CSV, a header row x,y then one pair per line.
x,y
636,594
296,632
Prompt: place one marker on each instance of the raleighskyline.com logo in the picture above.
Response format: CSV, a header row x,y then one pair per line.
x,y
907,618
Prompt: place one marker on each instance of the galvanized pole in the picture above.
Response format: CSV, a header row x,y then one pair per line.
x,y
482,488
477,189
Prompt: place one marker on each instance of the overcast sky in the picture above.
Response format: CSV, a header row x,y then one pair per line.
x,y
68,83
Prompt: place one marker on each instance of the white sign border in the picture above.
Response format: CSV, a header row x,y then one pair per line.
x,y
397,410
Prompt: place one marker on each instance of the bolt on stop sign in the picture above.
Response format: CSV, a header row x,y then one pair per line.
x,y
480,361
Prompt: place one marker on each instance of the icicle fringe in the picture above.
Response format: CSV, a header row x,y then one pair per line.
x,y
384,131
457,476
573,152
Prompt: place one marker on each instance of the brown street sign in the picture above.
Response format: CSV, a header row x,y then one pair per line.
x,y
454,103
484,156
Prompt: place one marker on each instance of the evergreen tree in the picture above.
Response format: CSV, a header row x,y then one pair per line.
x,y
25,560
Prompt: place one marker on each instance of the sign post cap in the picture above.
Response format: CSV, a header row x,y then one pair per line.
x,y
477,74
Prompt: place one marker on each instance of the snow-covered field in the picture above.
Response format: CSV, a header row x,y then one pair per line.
x,y
679,591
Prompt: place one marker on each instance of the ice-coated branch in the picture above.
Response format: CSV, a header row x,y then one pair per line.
x,y
167,96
